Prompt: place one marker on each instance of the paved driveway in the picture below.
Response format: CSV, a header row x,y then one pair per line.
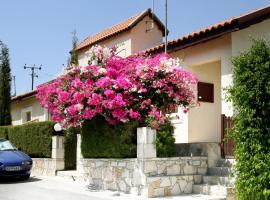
x,y
44,188
57,188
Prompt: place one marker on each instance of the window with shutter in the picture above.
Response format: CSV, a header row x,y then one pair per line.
x,y
206,92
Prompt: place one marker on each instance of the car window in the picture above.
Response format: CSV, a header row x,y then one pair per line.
x,y
6,145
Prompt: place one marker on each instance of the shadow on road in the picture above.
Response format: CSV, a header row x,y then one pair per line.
x,y
15,180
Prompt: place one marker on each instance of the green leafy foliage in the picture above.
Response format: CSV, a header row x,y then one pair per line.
x,y
5,78
4,131
74,54
35,139
250,95
71,147
165,140
101,140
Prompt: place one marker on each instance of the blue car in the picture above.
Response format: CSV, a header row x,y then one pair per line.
x,y
13,163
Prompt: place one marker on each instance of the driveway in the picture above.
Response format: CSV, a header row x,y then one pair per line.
x,y
57,188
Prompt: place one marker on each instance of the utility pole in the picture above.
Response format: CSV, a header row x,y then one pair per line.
x,y
166,41
33,74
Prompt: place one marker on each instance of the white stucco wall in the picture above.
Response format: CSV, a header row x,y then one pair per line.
x,y
204,121
129,42
121,41
145,35
242,40
38,113
210,61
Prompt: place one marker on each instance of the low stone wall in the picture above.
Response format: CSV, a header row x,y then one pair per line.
x,y
149,177
207,149
46,166
49,166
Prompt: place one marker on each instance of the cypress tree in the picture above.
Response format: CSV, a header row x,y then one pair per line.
x,y
5,78
74,54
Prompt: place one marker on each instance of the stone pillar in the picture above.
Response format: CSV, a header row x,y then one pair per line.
x,y
146,143
58,152
79,154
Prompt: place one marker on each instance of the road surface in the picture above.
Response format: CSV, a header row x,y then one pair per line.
x,y
57,188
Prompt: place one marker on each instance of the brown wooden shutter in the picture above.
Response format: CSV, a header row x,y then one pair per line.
x,y
206,92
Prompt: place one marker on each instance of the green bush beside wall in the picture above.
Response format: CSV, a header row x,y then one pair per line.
x,y
3,131
35,139
165,141
71,147
101,140
250,95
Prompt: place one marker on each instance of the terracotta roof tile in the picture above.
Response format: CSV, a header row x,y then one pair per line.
x,y
25,95
240,22
118,28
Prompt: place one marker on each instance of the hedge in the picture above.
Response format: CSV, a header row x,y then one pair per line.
x,y
4,132
35,139
250,95
165,140
71,148
101,140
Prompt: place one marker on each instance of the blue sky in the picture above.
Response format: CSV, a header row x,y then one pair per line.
x,y
39,32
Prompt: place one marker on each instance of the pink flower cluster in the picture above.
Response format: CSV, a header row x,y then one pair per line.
x,y
120,89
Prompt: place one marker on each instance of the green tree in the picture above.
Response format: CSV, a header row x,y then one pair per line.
x,y
73,54
250,95
5,78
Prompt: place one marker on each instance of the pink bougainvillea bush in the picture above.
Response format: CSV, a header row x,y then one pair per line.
x,y
136,88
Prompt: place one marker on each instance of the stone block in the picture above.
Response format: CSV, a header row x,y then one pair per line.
x,y
146,135
189,169
182,185
195,162
202,170
176,190
173,180
197,179
159,192
156,184
167,191
173,170
146,151
150,166
165,181
188,188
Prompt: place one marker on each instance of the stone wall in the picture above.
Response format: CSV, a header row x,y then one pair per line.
x,y
44,167
149,177
49,166
210,150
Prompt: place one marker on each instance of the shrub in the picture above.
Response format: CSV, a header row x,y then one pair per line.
x,y
136,88
71,147
101,140
165,140
35,139
3,131
250,95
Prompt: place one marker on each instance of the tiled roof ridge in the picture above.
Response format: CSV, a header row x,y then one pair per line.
x,y
24,95
209,28
127,23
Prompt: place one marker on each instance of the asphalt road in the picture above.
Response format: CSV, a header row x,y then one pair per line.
x,y
57,188
45,188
